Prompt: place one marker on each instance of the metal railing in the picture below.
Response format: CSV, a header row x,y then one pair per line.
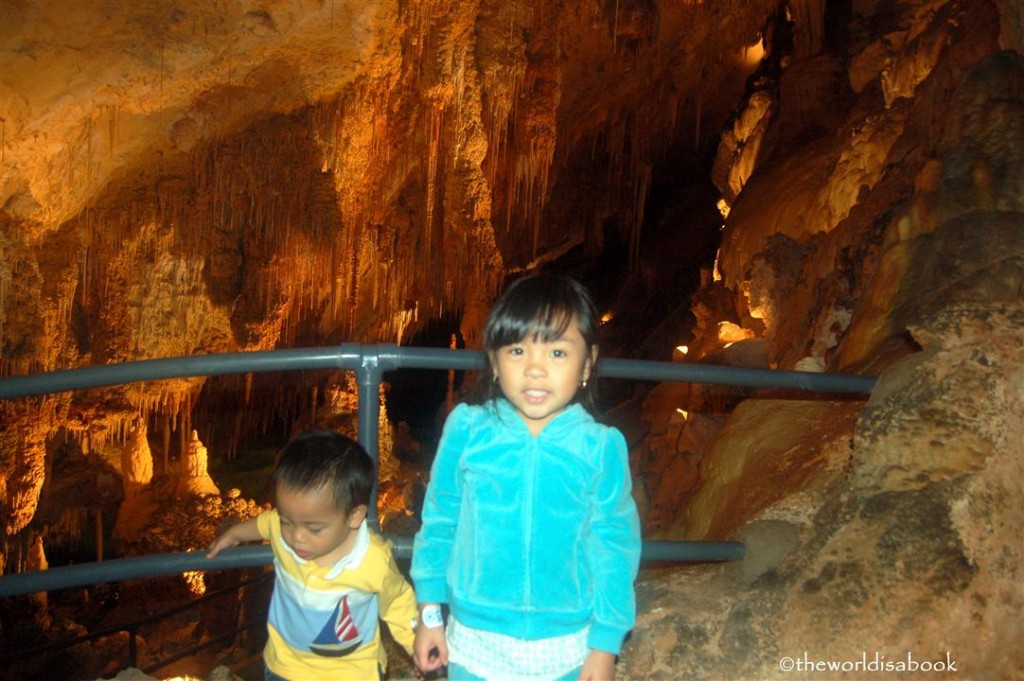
x,y
369,362
133,628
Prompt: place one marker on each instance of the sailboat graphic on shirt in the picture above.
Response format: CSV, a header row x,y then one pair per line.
x,y
340,636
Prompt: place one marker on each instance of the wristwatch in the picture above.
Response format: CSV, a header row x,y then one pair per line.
x,y
431,616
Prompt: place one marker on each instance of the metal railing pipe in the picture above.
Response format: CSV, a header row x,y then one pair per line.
x,y
693,551
735,376
369,362
132,629
439,358
179,367
352,356
161,565
122,569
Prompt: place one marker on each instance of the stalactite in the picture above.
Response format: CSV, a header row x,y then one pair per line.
x,y
236,437
5,282
642,184
68,528
112,127
24,436
435,127
165,444
615,29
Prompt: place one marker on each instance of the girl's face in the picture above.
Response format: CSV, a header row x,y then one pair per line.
x,y
540,378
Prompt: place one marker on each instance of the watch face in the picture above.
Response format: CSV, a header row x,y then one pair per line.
x,y
431,617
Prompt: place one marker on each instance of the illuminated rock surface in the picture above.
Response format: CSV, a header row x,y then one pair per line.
x,y
904,540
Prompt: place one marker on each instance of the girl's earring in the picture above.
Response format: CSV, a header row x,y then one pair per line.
x,y
584,384
494,378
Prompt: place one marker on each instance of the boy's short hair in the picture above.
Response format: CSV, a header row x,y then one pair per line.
x,y
324,457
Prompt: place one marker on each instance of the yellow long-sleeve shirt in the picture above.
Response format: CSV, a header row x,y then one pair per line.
x,y
323,621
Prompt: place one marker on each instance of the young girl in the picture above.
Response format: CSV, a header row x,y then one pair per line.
x,y
530,534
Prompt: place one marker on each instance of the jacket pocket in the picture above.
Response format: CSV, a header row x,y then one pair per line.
x,y
489,556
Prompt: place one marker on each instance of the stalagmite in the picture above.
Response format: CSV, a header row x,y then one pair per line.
x,y
193,462
193,475
165,443
136,459
35,561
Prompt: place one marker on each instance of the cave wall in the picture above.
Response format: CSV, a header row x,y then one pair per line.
x,y
890,242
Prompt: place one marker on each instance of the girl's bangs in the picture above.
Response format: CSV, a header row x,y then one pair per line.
x,y
549,324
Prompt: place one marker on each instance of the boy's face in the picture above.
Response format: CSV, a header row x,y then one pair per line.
x,y
314,527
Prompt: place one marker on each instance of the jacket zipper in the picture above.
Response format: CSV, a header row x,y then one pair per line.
x,y
531,472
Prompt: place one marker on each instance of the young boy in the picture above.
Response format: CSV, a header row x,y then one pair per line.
x,y
334,577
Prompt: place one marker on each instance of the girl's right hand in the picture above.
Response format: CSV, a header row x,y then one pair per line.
x,y
429,649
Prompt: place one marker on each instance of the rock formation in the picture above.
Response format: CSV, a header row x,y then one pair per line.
x,y
136,459
900,539
194,476
885,532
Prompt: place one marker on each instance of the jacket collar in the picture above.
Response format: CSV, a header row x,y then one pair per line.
x,y
564,422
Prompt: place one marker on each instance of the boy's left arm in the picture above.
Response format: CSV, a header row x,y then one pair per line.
x,y
398,605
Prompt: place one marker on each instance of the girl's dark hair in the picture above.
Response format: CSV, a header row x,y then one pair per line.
x,y
541,306
323,457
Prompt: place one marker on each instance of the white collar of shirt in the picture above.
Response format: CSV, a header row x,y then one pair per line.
x,y
350,561
354,558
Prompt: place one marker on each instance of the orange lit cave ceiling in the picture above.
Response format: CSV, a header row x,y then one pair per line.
x,y
197,177
192,177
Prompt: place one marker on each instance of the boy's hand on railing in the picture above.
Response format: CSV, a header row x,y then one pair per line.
x,y
222,542
233,536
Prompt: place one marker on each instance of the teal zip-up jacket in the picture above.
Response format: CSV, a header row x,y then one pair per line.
x,y
530,537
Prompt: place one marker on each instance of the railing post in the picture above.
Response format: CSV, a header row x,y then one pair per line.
x,y
374,361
